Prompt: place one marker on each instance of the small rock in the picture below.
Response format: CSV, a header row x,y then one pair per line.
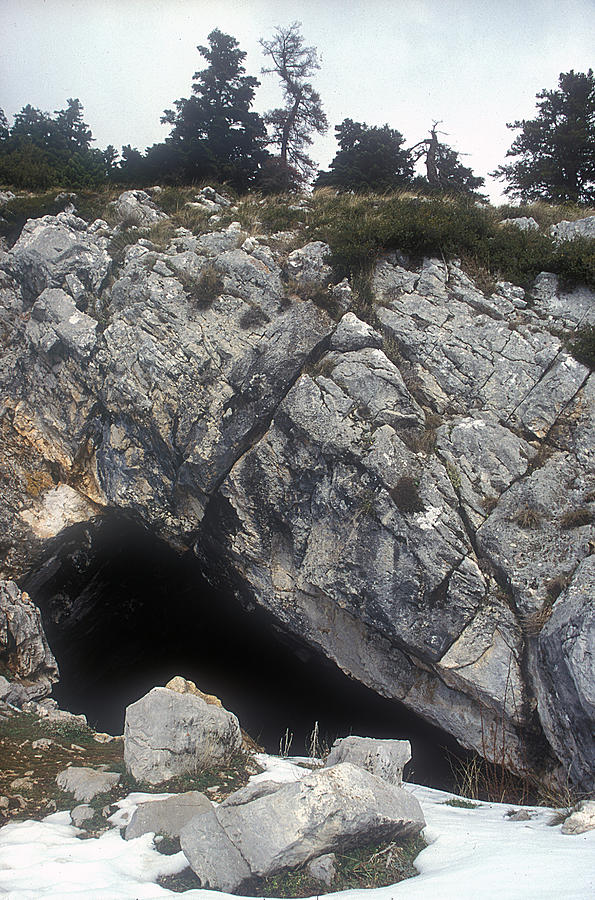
x,y
103,738
42,743
23,784
323,868
581,819
523,223
86,783
519,815
4,803
81,814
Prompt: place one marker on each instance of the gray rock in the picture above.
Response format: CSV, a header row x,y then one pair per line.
x,y
86,783
166,817
261,830
323,868
216,242
135,208
568,231
308,266
52,247
384,758
566,670
338,807
352,334
24,646
81,814
213,857
56,324
167,733
523,223
6,197
581,819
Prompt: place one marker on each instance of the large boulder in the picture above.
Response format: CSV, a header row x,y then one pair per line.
x,y
383,758
24,650
267,828
167,733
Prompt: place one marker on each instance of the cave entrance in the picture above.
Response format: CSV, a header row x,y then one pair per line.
x,y
124,612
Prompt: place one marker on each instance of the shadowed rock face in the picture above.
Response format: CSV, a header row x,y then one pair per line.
x,y
413,504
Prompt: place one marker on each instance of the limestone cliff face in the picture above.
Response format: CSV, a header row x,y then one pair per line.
x,y
415,498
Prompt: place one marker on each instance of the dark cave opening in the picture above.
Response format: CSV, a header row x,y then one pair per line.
x,y
124,612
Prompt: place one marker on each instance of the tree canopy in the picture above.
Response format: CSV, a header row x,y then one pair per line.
x,y
369,158
293,124
555,152
40,150
214,133
444,169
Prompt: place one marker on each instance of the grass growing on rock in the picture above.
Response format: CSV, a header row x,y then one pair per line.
x,y
369,866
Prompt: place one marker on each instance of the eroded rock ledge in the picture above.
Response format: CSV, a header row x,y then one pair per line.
x,y
413,496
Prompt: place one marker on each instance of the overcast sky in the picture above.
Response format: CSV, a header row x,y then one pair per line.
x,y
474,64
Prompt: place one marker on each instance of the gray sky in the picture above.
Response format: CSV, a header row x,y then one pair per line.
x,y
474,64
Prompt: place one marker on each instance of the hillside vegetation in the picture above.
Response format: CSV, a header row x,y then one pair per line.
x,y
361,227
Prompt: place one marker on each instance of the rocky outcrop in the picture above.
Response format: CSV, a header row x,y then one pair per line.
x,y
24,651
413,495
568,231
168,733
267,828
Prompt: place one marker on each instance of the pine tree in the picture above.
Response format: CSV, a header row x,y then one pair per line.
x,y
555,151
370,159
214,130
292,125
444,169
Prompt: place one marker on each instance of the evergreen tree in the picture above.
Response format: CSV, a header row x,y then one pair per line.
x,y
293,124
41,151
369,159
214,132
69,124
555,151
444,169
3,126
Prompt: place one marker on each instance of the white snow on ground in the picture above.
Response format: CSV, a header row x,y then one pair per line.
x,y
473,853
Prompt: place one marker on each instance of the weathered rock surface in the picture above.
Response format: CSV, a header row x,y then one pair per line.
x,y
168,733
54,247
413,498
383,758
581,819
135,208
270,827
86,783
523,223
24,650
568,231
166,817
